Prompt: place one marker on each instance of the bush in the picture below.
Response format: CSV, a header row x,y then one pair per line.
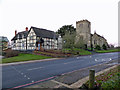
x,y
104,47
97,47
11,53
3,53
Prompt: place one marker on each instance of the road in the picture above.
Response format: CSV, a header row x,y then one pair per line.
x,y
16,76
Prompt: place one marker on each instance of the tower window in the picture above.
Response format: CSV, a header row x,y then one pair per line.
x,y
88,25
80,25
94,41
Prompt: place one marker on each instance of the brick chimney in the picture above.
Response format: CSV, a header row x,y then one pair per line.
x,y
15,32
26,28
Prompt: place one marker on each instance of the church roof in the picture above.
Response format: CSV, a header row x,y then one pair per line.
x,y
99,35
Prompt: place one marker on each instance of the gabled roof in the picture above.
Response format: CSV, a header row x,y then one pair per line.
x,y
40,32
99,35
25,33
44,33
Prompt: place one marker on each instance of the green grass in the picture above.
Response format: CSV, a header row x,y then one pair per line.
x,y
77,51
23,57
109,80
112,83
106,51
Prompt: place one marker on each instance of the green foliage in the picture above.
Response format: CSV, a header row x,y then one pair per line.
x,y
104,47
112,83
80,44
68,40
109,80
24,57
97,47
3,53
76,51
66,29
107,51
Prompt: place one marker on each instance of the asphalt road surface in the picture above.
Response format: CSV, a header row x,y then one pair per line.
x,y
21,75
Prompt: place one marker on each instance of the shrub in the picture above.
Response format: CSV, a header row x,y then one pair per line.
x,y
11,53
3,53
104,47
97,47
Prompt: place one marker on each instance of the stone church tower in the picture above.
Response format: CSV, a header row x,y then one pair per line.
x,y
83,32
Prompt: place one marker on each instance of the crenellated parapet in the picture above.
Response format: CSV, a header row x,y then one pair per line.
x,y
85,20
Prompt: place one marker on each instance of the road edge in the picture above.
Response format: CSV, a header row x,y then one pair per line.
x,y
31,61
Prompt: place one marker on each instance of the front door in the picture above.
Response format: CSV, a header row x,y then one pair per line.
x,y
40,46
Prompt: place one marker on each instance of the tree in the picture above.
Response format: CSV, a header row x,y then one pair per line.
x,y
80,43
68,40
66,29
104,47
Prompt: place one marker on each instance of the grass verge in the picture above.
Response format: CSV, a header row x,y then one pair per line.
x,y
109,80
76,51
23,57
107,51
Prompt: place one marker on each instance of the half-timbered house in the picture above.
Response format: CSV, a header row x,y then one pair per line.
x,y
36,38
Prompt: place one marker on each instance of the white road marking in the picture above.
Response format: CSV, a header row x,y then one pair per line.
x,y
102,59
35,68
90,56
25,76
110,59
81,57
19,72
95,59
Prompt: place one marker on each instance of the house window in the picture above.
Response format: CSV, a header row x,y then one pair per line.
x,y
23,45
31,37
31,45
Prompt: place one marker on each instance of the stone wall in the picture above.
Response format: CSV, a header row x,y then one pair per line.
x,y
98,40
83,32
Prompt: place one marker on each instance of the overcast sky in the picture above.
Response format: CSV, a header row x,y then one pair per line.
x,y
53,14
